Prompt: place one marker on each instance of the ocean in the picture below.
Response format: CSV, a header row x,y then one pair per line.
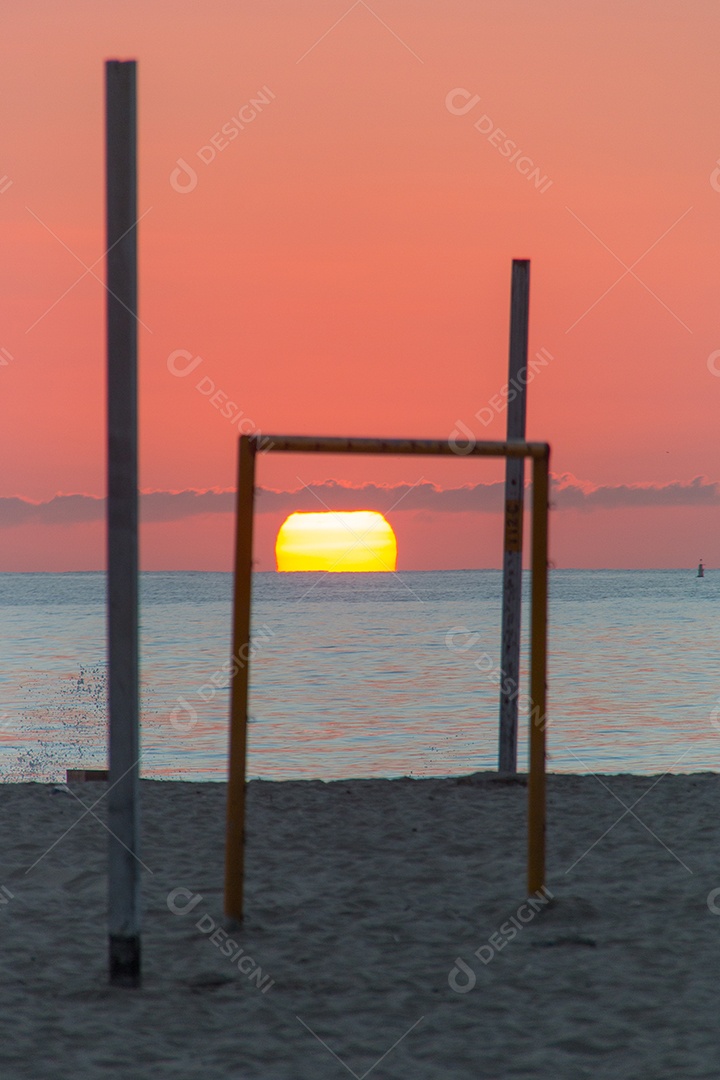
x,y
364,675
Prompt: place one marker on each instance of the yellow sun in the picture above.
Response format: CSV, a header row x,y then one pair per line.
x,y
358,540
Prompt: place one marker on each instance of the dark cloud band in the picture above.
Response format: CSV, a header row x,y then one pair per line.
x,y
567,494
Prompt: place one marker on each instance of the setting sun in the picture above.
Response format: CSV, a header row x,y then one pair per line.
x,y
355,541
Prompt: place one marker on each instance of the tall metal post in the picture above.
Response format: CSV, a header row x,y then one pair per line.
x,y
513,541
122,524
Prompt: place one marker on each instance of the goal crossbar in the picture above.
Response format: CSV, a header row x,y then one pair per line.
x,y
249,447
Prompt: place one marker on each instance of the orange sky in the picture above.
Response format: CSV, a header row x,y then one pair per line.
x,y
342,266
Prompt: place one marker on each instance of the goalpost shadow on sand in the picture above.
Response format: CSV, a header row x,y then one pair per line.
x,y
249,446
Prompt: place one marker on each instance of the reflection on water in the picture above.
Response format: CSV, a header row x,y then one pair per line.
x,y
352,675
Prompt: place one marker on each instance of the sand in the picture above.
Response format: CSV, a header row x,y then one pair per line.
x,y
366,900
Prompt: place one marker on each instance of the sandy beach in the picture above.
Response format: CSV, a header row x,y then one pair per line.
x,y
387,933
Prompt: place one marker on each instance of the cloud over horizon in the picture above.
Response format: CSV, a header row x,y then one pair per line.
x,y
568,493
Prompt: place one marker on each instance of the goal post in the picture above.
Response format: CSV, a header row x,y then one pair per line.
x,y
235,827
249,445
538,672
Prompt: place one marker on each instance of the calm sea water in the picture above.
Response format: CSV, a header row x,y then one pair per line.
x,y
364,674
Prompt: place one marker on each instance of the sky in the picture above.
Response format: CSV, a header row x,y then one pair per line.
x,y
331,197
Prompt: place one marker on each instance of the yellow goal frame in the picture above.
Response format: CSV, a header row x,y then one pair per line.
x,y
539,453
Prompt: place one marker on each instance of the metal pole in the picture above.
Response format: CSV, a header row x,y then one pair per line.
x,y
122,522
538,675
235,828
512,556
